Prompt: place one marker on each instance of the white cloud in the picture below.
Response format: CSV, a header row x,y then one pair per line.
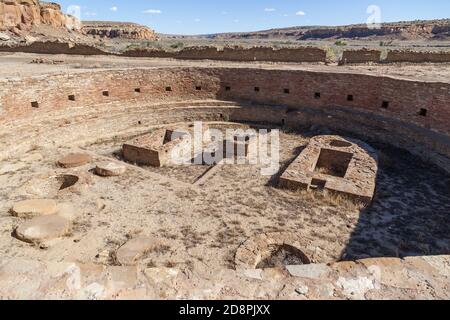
x,y
270,9
114,9
300,13
89,14
197,20
152,11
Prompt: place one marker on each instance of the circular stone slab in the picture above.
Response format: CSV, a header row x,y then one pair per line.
x,y
133,250
110,169
34,208
43,228
74,160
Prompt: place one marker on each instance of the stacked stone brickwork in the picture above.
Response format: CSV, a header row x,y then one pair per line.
x,y
360,56
410,114
306,54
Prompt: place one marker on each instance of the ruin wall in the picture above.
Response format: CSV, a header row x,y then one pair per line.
x,y
406,113
54,47
307,54
360,56
416,57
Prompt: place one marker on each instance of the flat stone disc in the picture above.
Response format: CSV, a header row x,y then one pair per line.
x,y
74,160
110,169
34,208
43,228
134,249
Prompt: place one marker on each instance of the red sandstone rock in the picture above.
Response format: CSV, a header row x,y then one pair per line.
x,y
43,228
74,160
35,207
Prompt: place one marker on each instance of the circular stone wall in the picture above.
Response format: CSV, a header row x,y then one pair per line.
x,y
202,225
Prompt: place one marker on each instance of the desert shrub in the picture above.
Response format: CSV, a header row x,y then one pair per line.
x,y
340,43
177,45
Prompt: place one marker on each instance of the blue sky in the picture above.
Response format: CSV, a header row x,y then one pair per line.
x,y
202,16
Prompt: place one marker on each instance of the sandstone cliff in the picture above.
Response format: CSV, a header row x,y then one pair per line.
x,y
412,30
123,30
24,14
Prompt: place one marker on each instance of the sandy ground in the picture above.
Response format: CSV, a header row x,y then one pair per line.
x,y
202,226
15,65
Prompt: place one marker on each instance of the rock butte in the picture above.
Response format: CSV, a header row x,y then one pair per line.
x,y
35,207
43,228
74,160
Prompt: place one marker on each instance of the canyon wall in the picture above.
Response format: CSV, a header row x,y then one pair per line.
x,y
23,14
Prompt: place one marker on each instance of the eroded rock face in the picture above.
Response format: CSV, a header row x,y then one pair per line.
x,y
118,30
110,169
23,14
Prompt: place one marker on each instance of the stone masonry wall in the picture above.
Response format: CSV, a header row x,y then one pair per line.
x,y
54,47
360,56
22,14
405,111
307,54
417,57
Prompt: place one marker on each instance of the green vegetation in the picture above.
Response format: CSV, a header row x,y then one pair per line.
x,y
177,45
340,43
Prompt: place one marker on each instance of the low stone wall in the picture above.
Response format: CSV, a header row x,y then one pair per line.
x,y
307,54
417,57
360,56
55,48
371,279
409,114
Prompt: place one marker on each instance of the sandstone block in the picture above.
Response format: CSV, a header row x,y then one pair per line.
x,y
110,169
34,208
43,228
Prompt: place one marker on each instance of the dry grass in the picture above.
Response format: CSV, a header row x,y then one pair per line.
x,y
326,198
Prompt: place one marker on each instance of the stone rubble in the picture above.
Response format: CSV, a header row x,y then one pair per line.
x,y
423,278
